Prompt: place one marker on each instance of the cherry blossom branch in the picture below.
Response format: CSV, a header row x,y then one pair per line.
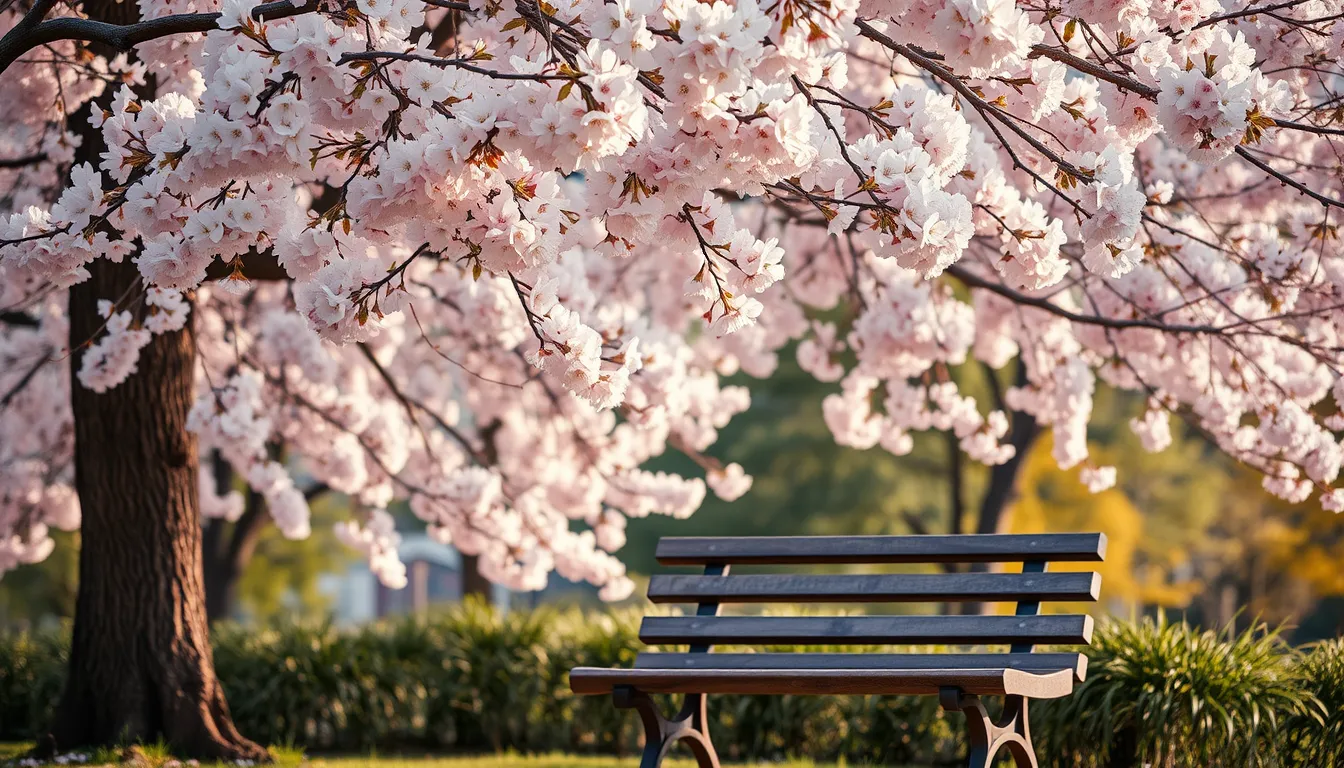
x,y
460,63
706,251
29,33
21,162
310,406
844,151
976,281
438,351
988,111
1251,11
1096,70
1309,128
540,20
25,379
1284,178
404,400
527,310
399,270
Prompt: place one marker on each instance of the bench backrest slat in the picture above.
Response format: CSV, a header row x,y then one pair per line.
x,y
961,548
865,630
1021,632
875,588
860,661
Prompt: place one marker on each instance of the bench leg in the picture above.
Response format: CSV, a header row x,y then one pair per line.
x,y
988,737
690,725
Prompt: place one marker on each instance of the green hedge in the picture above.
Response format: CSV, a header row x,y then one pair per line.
x,y
472,680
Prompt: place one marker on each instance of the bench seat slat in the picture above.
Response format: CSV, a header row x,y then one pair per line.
x,y
1027,662
590,680
871,588
957,548
863,630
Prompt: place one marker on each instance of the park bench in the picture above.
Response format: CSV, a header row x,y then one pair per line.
x,y
958,679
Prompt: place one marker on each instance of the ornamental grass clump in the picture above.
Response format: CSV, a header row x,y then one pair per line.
x,y
1174,696
1315,735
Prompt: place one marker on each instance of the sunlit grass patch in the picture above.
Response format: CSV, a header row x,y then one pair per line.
x,y
158,756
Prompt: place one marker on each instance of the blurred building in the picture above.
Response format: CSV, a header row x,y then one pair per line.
x,y
433,574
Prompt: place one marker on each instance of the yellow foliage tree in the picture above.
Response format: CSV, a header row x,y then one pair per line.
x,y
1138,569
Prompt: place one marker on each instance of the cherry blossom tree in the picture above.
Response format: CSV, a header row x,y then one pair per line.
x,y
489,258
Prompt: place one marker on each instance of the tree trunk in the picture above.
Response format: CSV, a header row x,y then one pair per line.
x,y
141,667
225,558
1002,489
473,583
221,578
227,549
1003,477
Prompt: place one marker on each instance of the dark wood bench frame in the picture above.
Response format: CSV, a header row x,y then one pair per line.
x,y
959,680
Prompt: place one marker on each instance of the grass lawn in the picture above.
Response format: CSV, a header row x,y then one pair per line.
x,y
495,761
285,758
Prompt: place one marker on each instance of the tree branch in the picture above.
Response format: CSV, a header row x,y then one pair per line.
x,y
1250,11
1309,128
18,319
32,32
1096,70
1289,180
976,281
22,162
24,381
411,405
19,31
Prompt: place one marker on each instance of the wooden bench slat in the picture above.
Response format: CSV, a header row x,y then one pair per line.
x,y
986,682
1027,662
864,630
870,588
959,548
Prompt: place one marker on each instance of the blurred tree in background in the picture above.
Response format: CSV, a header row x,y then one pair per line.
x,y
280,582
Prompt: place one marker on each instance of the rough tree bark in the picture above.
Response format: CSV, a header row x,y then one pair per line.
x,y
141,666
